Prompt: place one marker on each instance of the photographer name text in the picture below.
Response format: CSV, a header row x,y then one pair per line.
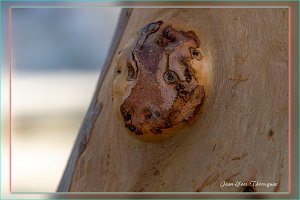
x,y
243,184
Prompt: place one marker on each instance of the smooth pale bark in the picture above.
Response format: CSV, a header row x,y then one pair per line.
x,y
241,133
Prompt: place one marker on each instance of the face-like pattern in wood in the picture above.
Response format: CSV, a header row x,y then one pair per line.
x,y
155,84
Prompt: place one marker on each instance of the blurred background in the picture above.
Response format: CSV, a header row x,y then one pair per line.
x,y
58,54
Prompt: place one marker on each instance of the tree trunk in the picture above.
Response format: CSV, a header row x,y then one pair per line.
x,y
240,134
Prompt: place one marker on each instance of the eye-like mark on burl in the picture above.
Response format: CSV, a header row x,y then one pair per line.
x,y
166,91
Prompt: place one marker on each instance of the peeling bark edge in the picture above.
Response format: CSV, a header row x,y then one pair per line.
x,y
94,108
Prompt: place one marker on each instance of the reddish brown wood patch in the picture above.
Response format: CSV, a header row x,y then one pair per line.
x,y
165,90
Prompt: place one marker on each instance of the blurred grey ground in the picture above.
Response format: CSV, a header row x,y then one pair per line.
x,y
58,54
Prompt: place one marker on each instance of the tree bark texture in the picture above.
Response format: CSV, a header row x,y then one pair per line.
x,y
241,130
